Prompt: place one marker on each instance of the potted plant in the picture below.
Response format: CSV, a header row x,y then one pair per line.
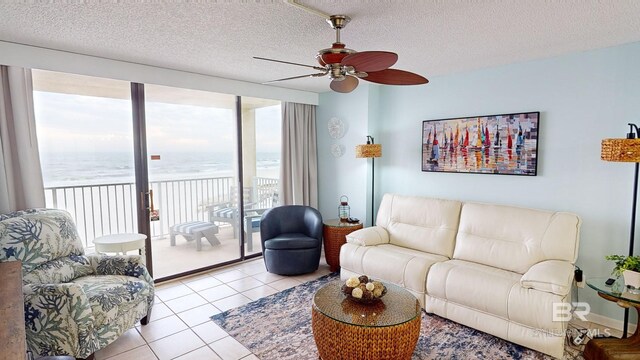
x,y
629,267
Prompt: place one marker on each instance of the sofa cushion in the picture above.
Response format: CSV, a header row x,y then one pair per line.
x,y
473,285
291,241
513,238
113,296
491,291
427,225
402,266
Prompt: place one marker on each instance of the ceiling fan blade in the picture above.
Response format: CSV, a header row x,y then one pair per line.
x,y
344,86
371,60
395,77
297,77
290,63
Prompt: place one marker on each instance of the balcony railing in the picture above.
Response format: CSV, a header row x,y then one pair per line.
x,y
111,208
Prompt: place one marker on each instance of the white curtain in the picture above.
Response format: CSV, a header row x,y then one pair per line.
x,y
299,165
21,184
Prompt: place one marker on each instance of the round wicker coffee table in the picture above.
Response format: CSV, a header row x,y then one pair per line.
x,y
344,329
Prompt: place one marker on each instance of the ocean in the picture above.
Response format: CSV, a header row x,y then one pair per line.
x,y
91,168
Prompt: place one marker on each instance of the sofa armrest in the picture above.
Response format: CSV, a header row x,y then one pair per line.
x,y
371,236
59,320
129,265
553,276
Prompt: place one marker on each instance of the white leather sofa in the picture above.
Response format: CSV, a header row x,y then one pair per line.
x,y
498,269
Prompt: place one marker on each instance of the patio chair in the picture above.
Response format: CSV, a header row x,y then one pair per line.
x,y
74,304
228,212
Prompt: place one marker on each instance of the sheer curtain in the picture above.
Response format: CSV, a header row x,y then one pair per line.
x,y
299,165
21,185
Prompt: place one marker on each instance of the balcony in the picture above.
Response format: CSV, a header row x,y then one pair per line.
x,y
104,209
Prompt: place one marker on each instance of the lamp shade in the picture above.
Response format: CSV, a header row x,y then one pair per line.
x,y
622,150
368,151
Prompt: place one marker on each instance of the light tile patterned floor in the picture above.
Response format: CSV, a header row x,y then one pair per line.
x,y
180,327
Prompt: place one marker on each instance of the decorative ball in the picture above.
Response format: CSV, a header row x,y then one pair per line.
x,y
357,293
353,282
363,279
346,289
370,286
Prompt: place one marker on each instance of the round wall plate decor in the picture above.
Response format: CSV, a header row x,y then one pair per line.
x,y
336,128
337,150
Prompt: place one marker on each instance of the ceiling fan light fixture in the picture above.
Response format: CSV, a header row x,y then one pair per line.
x,y
345,66
345,85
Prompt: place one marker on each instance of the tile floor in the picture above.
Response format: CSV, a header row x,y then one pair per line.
x,y
180,327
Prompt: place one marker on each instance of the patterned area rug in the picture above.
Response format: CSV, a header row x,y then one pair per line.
x,y
278,327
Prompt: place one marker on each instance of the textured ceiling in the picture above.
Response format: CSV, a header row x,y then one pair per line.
x,y
219,38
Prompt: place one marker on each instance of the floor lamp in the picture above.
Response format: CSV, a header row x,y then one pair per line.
x,y
370,150
626,150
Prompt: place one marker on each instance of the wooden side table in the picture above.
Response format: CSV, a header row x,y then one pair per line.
x,y
334,233
12,332
611,348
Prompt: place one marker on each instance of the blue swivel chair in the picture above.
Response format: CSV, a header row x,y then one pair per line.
x,y
291,239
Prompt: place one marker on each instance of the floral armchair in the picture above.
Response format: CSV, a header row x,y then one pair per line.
x,y
74,304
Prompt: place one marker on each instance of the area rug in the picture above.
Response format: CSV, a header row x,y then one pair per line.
x,y
278,327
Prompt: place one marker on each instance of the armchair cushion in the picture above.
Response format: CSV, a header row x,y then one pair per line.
x,y
112,297
371,236
553,276
60,270
37,237
129,265
291,241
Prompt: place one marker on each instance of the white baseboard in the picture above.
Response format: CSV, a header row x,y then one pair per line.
x,y
610,323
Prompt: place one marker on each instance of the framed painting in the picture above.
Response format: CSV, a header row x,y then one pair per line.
x,y
505,144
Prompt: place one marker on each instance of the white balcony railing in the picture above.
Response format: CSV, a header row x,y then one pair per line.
x,y
111,208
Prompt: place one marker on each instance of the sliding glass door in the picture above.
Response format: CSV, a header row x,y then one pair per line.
x,y
192,160
261,143
193,170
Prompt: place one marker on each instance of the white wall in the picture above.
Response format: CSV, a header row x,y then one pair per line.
x,y
54,60
583,98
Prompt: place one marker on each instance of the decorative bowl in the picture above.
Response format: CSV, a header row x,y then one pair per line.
x,y
363,290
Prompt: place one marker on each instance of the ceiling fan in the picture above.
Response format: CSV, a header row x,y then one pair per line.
x,y
345,66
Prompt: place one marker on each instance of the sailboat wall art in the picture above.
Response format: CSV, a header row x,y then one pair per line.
x,y
505,144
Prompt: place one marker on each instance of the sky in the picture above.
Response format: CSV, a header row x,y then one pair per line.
x,y
79,123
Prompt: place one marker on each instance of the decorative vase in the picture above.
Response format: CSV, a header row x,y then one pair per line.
x,y
632,281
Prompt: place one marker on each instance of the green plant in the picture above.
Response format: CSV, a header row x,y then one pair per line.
x,y
624,263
